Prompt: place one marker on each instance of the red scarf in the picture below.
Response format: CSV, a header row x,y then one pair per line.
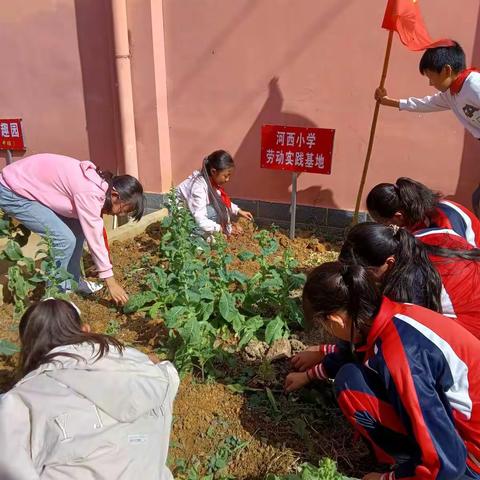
x,y
457,84
224,195
105,239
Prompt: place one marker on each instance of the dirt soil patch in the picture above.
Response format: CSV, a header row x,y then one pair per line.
x,y
274,432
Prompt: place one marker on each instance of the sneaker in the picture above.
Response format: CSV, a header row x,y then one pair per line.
x,y
87,287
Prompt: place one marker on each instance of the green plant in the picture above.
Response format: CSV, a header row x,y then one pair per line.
x,y
206,305
8,348
326,470
27,273
113,328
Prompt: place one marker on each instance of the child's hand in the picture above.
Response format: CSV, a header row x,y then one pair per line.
x,y
295,381
119,296
380,92
307,359
245,214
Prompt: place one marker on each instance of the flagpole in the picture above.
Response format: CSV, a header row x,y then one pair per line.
x,y
372,130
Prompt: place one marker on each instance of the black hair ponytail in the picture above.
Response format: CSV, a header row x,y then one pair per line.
x,y
218,160
415,200
129,190
412,278
336,286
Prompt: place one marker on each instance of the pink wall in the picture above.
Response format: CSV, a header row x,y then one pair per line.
x,y
41,78
207,74
242,63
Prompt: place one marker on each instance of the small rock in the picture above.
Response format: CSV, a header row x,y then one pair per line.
x,y
255,350
280,349
297,345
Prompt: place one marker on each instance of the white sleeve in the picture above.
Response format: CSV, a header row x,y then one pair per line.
x,y
433,103
197,203
15,455
235,208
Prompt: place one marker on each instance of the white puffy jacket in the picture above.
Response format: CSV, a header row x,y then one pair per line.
x,y
87,420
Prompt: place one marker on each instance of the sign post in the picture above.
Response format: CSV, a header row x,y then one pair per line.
x,y
296,149
11,137
293,206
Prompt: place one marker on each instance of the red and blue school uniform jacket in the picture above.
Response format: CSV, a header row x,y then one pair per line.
x,y
430,367
453,216
460,278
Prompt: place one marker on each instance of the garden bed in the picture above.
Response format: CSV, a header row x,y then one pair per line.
x,y
241,423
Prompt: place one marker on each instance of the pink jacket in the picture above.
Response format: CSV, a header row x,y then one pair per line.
x,y
70,188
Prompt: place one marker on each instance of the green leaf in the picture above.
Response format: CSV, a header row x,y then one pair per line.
x,y
137,301
250,327
229,312
167,221
239,277
192,297
206,310
244,256
274,330
8,348
272,400
173,315
13,251
207,293
153,312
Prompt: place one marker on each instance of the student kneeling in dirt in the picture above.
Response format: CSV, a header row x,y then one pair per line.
x,y
207,200
87,408
410,385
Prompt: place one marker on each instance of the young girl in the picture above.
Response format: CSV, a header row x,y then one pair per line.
x,y
406,270
65,198
207,200
442,279
412,388
87,408
412,205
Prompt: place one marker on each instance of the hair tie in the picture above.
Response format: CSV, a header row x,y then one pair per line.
x,y
395,228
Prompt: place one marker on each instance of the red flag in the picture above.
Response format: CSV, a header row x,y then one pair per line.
x,y
404,17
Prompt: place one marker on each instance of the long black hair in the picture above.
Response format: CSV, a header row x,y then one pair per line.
x,y
415,200
336,286
129,190
412,278
218,160
54,323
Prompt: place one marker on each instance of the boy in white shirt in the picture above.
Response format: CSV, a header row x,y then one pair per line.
x,y
459,91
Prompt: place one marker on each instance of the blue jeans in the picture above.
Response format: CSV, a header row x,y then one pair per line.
x,y
66,233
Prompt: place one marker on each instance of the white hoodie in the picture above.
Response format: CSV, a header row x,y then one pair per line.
x,y
87,420
194,191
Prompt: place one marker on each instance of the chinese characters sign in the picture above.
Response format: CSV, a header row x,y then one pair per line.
x,y
298,149
11,137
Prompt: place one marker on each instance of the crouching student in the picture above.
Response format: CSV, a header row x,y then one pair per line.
x,y
410,386
206,198
414,206
87,408
65,198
